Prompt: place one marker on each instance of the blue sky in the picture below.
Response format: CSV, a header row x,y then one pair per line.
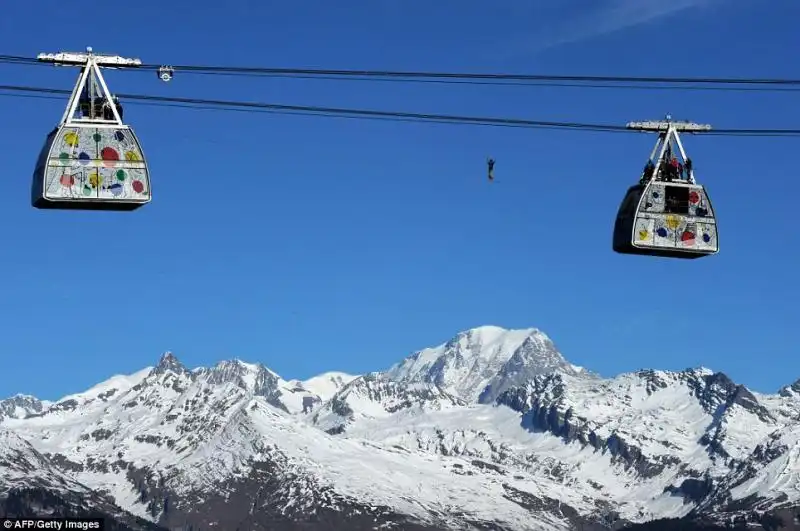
x,y
313,244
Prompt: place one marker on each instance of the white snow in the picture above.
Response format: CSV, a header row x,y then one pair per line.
x,y
327,384
412,481
120,383
24,467
779,477
416,437
490,347
488,356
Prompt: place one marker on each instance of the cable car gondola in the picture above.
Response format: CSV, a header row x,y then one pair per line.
x,y
91,160
668,214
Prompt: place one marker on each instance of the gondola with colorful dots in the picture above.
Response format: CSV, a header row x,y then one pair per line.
x,y
668,213
91,160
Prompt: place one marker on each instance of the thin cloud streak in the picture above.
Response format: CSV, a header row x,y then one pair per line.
x,y
605,17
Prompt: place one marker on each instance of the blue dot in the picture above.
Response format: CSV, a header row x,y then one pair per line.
x,y
655,195
84,158
706,237
662,232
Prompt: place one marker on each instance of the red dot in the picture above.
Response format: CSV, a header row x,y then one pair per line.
x,y
687,236
138,187
694,197
67,180
108,153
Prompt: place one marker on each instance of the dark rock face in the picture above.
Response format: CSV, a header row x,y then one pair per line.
x,y
265,385
675,524
392,395
693,490
717,391
169,363
791,391
267,499
31,503
541,402
543,410
27,405
39,502
602,521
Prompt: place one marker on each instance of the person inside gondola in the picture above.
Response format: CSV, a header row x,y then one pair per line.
x,y
85,106
108,108
108,112
672,205
688,168
119,107
673,169
663,169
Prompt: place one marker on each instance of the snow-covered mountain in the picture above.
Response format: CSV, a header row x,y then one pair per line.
x,y
493,429
479,364
31,483
20,406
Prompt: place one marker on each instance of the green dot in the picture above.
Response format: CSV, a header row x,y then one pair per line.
x,y
97,137
87,190
120,175
64,156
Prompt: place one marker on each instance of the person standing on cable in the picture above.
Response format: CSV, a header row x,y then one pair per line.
x,y
490,163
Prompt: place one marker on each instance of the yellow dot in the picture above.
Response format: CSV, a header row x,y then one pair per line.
x,y
673,222
643,234
95,179
71,139
132,156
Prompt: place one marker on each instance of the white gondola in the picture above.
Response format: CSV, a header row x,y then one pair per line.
x,y
91,160
668,213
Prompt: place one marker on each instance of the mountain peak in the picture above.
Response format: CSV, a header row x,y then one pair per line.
x,y
792,390
490,333
169,363
479,363
20,406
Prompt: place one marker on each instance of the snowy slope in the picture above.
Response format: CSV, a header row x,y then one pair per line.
x,y
630,441
31,485
312,392
21,466
375,395
200,429
327,384
493,426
